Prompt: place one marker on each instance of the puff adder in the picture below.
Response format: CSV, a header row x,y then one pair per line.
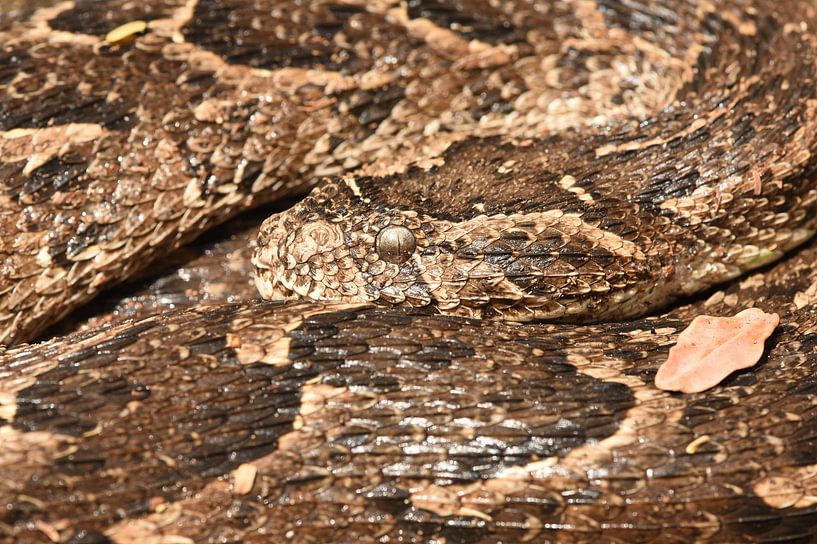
x,y
514,161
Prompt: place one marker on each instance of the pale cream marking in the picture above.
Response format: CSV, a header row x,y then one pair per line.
x,y
38,145
270,344
539,222
443,41
172,26
42,16
22,451
788,487
396,158
158,526
286,79
753,281
446,501
22,377
192,195
8,405
244,478
568,183
352,184
50,532
747,28
807,297
40,31
653,407
466,54
314,398
737,259
697,124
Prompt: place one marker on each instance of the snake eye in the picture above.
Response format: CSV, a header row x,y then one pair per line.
x,y
395,244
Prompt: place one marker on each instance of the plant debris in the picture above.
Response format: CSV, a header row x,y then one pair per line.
x,y
711,348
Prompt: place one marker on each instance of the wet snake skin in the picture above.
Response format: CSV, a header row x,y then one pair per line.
x,y
182,410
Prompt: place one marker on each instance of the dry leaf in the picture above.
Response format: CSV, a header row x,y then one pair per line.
x,y
711,348
244,478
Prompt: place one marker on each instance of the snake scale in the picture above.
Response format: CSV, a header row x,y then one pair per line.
x,y
482,163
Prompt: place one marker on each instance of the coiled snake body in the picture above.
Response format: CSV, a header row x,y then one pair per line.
x,y
576,161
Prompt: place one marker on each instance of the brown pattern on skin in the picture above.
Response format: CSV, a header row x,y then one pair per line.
x,y
717,181
724,451
372,425
388,441
213,270
202,136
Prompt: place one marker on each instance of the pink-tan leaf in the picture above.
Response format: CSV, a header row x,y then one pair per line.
x,y
711,348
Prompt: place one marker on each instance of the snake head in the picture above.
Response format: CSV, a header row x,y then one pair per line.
x,y
348,242
335,246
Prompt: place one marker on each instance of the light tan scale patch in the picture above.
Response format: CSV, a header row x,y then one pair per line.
x,y
788,487
394,159
574,224
450,45
38,145
738,258
244,478
40,29
449,501
323,412
158,526
21,377
459,285
23,450
568,183
352,184
171,26
805,298
43,15
537,223
23,455
269,344
653,408
701,122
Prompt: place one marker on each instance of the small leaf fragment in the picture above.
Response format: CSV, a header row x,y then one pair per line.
x,y
244,478
125,32
711,348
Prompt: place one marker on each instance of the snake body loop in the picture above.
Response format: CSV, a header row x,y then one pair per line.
x,y
514,161
605,218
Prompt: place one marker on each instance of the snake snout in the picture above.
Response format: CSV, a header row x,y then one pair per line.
x,y
293,256
267,259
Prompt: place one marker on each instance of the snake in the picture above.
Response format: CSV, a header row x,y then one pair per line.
x,y
517,208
